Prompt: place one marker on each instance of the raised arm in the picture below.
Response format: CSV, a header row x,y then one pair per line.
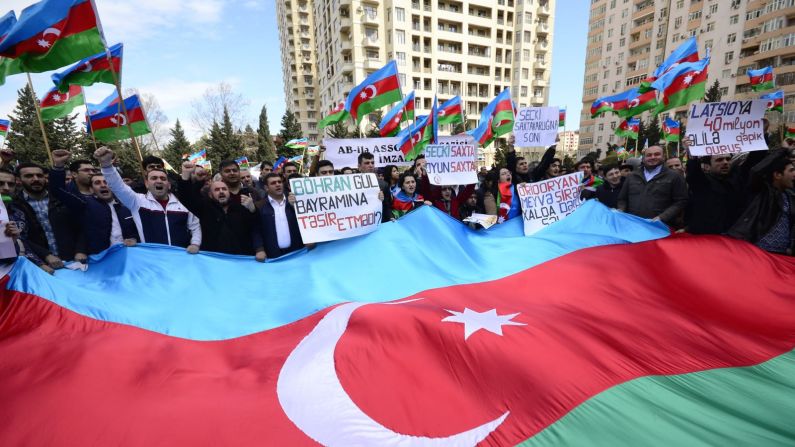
x,y
124,193
57,182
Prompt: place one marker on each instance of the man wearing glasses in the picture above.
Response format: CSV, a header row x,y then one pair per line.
x,y
82,171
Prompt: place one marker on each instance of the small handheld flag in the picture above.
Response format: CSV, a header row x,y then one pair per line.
x,y
404,111
775,101
111,125
562,117
761,79
670,129
4,125
56,105
629,128
378,90
336,115
91,70
242,162
297,143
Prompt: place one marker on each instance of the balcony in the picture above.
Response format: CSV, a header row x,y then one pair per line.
x,y
370,18
371,42
373,64
346,46
345,24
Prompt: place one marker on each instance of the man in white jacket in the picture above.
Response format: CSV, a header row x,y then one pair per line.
x,y
159,216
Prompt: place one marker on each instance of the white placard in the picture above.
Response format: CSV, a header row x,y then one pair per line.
x,y
336,206
451,164
548,201
345,152
536,126
7,248
726,127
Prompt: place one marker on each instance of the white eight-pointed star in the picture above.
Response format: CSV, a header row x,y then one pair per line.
x,y
474,321
43,43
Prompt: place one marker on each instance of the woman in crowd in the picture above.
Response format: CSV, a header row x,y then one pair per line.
x,y
499,198
407,199
391,177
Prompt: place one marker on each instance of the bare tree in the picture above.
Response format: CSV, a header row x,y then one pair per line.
x,y
210,108
156,118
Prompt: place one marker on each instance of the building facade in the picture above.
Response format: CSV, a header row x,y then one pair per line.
x,y
569,144
471,48
628,39
296,23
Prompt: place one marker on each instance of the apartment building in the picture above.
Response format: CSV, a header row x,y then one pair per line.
x,y
569,144
628,39
471,48
296,24
768,39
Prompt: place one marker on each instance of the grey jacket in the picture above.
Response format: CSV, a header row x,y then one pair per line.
x,y
664,196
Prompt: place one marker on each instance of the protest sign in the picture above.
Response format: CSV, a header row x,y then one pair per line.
x,y
345,152
548,201
451,164
536,126
726,127
336,207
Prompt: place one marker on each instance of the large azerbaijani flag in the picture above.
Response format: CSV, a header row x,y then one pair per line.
x,y
56,105
638,103
111,124
687,51
682,85
487,341
52,34
451,111
379,89
104,67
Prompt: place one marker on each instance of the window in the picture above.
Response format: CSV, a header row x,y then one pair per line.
x,y
601,126
606,74
400,36
680,4
734,19
713,8
710,26
694,16
729,57
677,22
708,43
525,73
726,74
724,91
731,38
401,58
400,15
524,91
617,85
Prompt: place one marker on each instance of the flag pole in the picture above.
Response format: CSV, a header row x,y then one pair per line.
x,y
117,82
41,121
402,99
88,121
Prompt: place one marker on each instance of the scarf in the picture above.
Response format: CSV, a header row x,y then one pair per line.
x,y
504,201
402,203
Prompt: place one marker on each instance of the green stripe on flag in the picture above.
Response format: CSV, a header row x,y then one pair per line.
x,y
120,133
63,109
376,103
9,67
333,119
763,86
86,79
684,97
745,406
64,52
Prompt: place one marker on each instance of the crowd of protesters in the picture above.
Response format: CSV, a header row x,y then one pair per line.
x,y
76,208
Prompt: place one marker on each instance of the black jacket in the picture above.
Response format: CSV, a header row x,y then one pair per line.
x,y
64,226
717,202
608,194
664,196
761,214
537,174
227,231
264,232
95,217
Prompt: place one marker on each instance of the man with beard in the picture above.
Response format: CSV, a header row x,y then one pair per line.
x,y
230,174
158,215
103,220
82,171
226,225
55,229
654,192
17,226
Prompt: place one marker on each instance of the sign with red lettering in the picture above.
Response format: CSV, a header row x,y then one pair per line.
x,y
730,127
548,201
336,206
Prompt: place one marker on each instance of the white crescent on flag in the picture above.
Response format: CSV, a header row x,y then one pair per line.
x,y
117,117
372,89
634,103
313,398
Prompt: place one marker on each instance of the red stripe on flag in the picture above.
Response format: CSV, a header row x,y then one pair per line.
x,y
393,124
50,100
3,128
767,77
101,65
80,18
135,115
679,83
399,361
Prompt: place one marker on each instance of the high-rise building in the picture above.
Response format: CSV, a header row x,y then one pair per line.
x,y
569,144
628,39
299,63
471,48
768,39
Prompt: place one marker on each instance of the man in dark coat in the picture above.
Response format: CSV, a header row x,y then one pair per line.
x,y
277,233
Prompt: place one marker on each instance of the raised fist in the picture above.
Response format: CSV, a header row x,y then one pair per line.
x,y
105,156
60,158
